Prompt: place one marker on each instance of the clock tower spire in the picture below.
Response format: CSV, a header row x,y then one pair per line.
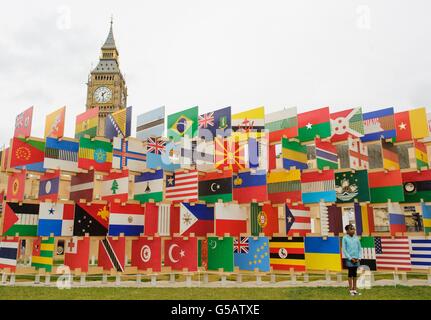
x,y
106,87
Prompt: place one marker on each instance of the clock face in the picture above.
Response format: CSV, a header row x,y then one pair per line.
x,y
103,95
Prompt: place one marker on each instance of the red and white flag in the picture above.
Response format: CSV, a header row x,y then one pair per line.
x,y
182,185
182,254
230,218
77,253
23,123
147,253
358,154
115,186
82,186
392,253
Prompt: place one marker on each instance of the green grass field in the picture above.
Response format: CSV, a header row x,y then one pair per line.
x,y
302,293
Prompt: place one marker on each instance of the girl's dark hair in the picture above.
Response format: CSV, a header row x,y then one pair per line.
x,y
349,226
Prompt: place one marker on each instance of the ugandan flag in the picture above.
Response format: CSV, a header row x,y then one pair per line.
x,y
43,253
287,253
94,154
87,123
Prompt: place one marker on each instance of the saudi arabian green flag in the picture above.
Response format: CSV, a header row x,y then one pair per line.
x,y
183,124
220,254
351,186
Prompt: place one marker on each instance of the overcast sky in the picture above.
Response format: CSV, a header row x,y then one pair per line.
x,y
242,53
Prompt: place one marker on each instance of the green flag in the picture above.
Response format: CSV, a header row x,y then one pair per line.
x,y
351,186
183,124
220,253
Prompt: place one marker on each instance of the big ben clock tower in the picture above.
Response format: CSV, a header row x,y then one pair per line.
x,y
106,87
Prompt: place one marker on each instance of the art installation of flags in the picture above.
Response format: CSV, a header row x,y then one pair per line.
x,y
183,124
392,253
318,186
216,123
426,217
87,123
379,124
417,186
281,124
118,124
228,182
351,186
95,154
347,123
82,186
287,253
215,186
151,124
9,249
54,123
16,186
43,253
23,123
294,154
147,253
128,153
112,254
182,185
115,185
61,155
323,253
313,124
77,253
358,154
255,257
20,219
284,185
56,219
149,186
181,253
386,186
249,186
411,125
326,155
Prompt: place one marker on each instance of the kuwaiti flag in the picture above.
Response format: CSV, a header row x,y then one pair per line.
x,y
126,218
197,219
56,219
9,253
230,218
115,186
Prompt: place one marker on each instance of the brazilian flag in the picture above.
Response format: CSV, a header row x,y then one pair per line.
x,y
183,124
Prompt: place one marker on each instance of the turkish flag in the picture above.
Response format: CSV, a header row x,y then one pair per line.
x,y
147,253
182,254
77,253
151,219
23,123
16,186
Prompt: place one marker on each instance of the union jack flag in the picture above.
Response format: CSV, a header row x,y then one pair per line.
x,y
206,120
155,145
240,246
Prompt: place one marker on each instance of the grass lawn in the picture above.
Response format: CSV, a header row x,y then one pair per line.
x,y
302,293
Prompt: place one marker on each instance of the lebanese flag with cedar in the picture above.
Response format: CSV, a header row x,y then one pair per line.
x,y
77,253
182,253
147,253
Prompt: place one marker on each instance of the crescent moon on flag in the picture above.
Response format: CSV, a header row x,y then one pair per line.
x,y
171,248
145,253
212,187
213,244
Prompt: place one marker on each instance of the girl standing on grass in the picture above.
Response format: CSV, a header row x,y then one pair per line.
x,y
352,253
